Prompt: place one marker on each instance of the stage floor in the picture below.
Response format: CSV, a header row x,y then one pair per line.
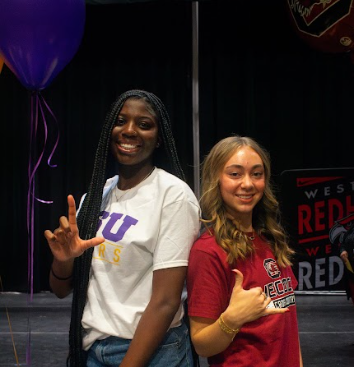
x,y
35,332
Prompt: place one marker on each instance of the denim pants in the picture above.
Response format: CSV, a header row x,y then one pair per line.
x,y
174,351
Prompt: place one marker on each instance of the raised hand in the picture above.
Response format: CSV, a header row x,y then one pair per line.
x,y
248,305
65,243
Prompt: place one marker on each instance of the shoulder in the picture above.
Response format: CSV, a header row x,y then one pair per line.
x,y
170,180
111,182
206,243
173,187
207,258
108,186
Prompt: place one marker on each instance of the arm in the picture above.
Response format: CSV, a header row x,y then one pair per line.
x,y
301,363
165,300
344,256
245,306
178,228
66,244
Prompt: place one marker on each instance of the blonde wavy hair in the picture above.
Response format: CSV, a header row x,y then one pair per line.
x,y
266,214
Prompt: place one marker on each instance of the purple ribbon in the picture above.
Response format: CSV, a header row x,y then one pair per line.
x,y
38,106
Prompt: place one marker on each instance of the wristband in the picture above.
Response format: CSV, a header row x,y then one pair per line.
x,y
59,278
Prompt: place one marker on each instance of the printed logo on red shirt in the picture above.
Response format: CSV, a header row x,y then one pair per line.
x,y
272,268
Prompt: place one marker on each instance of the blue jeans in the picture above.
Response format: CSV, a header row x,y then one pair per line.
x,y
174,351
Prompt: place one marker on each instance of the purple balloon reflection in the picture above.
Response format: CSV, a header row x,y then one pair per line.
x,y
38,38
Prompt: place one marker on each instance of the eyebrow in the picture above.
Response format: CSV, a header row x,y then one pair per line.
x,y
147,117
240,166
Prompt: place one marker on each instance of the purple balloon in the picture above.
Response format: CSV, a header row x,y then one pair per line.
x,y
38,38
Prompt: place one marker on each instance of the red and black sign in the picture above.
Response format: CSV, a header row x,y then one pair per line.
x,y
318,207
326,25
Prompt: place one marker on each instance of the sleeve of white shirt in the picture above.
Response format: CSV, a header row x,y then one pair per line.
x,y
179,228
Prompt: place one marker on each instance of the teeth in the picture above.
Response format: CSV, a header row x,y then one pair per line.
x,y
128,146
244,196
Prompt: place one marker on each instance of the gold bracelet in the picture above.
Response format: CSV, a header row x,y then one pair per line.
x,y
226,328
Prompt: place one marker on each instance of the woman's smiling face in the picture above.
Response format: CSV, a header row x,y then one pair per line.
x,y
242,183
135,134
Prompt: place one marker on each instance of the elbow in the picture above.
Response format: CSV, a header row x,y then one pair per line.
x,y
166,308
203,347
171,308
202,352
60,292
61,295
170,304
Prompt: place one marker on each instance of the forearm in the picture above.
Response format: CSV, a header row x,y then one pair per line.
x,y
211,339
60,277
150,332
167,285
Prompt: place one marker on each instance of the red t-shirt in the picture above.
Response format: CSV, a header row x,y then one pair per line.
x,y
270,341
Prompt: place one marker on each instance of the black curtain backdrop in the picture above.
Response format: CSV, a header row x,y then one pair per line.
x,y
257,78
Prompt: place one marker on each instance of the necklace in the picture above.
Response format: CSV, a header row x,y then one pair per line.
x,y
120,193
251,237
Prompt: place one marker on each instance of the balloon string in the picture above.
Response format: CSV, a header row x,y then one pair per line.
x,y
31,171
10,327
41,101
58,134
37,103
30,215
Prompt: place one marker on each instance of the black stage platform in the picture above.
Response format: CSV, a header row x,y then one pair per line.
x,y
35,332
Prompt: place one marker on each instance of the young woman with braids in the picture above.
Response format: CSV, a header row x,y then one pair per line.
x,y
241,301
124,254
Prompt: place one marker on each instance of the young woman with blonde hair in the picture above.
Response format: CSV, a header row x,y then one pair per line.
x,y
241,300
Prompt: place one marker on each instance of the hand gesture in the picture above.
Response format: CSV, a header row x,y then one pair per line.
x,y
248,305
65,243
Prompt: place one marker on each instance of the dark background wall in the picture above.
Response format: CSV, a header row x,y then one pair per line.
x,y
257,78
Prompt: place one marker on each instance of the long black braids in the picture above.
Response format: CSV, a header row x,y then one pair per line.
x,y
88,215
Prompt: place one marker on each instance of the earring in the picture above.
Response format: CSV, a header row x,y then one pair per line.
x,y
157,144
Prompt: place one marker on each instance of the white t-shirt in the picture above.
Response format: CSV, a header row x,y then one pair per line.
x,y
148,227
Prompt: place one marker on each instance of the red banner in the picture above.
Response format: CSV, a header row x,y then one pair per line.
x,y
318,208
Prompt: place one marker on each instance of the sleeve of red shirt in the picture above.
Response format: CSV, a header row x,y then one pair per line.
x,y
208,281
